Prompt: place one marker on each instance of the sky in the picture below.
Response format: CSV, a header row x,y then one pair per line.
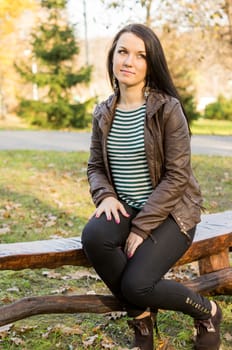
x,y
103,23
100,23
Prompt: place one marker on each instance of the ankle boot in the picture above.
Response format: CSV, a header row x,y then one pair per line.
x,y
143,329
208,332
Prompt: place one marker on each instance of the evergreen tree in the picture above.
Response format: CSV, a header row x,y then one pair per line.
x,y
54,50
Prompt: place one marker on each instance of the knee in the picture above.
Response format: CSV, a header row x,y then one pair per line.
x,y
88,236
92,236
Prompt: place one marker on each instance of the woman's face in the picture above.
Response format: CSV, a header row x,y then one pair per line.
x,y
129,61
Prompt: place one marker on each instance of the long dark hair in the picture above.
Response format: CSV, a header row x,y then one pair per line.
x,y
158,74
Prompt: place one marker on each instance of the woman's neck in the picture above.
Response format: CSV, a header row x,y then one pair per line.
x,y
130,99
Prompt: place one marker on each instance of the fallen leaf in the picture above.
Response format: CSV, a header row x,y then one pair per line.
x,y
17,341
50,223
107,344
69,223
4,330
25,329
51,274
7,299
214,204
228,337
84,273
4,230
68,330
89,341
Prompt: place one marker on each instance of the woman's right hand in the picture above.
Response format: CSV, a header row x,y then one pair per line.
x,y
111,207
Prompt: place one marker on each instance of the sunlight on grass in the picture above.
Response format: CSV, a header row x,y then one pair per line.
x,y
211,127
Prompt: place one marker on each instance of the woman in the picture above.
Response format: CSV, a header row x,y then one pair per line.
x,y
147,200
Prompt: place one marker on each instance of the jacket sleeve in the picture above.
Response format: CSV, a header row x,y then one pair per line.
x,y
175,177
100,186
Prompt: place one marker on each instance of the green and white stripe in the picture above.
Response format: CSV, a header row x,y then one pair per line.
x,y
127,157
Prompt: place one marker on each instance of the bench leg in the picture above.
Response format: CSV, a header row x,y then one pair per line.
x,y
214,262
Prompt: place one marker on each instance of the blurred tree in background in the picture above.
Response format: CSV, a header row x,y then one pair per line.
x,y
10,11
175,22
196,36
54,74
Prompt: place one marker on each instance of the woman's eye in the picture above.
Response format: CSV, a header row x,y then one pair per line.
x,y
141,56
122,51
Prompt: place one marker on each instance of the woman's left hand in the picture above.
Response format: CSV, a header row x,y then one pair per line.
x,y
132,243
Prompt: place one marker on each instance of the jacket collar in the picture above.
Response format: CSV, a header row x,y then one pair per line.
x,y
154,101
104,112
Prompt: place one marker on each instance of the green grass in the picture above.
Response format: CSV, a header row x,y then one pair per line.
x,y
199,127
211,127
46,194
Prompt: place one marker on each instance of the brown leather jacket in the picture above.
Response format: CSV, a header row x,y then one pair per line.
x,y
167,145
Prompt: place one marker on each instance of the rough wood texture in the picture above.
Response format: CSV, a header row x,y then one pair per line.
x,y
27,307
214,283
214,262
214,235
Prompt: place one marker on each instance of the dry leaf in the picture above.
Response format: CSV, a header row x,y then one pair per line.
x,y
214,204
25,329
69,223
89,341
51,274
68,330
228,337
4,330
106,344
163,344
4,230
82,274
17,341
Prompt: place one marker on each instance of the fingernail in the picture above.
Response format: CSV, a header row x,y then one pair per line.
x,y
117,221
129,255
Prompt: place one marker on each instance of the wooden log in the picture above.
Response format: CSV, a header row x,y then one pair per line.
x,y
31,306
214,283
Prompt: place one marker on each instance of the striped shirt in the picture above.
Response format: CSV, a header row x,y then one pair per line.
x,y
127,158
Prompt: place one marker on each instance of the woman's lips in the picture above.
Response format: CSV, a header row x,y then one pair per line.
x,y
126,71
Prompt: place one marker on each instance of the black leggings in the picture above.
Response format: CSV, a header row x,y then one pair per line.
x,y
138,282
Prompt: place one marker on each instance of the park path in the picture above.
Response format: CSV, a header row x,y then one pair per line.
x,y
80,141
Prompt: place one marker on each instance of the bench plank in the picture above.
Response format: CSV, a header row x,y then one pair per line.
x,y
213,236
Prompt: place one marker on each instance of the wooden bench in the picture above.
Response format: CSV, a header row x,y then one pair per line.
x,y
211,249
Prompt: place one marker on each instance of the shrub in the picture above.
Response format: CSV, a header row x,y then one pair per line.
x,y
60,114
220,109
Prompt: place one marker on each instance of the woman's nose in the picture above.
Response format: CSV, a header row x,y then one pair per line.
x,y
128,60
